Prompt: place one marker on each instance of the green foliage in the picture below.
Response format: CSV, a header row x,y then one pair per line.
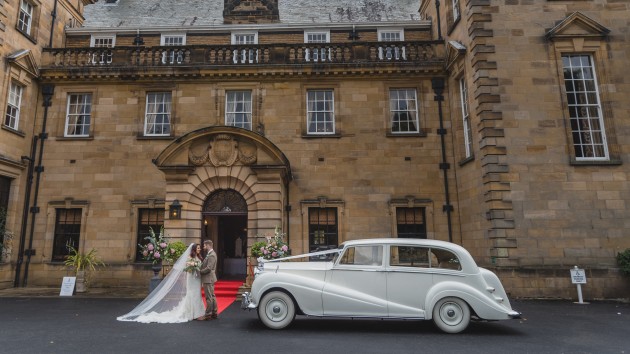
x,y
623,259
3,230
273,248
83,261
256,248
176,249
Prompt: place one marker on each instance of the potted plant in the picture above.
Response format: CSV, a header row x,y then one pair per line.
x,y
623,260
83,264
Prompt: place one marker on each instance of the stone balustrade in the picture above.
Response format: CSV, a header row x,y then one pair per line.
x,y
374,53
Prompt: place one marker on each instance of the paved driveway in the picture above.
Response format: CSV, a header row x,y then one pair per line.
x,y
88,325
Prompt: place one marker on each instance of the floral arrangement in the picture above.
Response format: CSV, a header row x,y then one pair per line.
x,y
193,265
157,248
273,247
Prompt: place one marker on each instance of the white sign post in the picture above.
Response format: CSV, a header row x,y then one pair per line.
x,y
67,286
578,277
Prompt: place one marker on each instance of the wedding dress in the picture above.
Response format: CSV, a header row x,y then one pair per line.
x,y
177,298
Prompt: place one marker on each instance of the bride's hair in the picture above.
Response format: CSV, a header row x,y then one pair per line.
x,y
193,252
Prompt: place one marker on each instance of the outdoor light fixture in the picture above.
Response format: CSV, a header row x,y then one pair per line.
x,y
175,210
138,41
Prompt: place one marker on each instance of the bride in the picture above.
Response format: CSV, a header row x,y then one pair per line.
x,y
178,297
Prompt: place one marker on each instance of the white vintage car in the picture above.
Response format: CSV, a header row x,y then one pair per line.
x,y
380,278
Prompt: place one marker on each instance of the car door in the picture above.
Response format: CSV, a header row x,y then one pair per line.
x,y
409,277
357,284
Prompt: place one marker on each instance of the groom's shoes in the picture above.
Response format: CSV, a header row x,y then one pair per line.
x,y
214,317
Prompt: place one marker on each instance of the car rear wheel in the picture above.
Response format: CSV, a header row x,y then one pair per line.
x,y
451,315
276,310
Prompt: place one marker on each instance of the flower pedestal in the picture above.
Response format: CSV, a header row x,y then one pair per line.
x,y
155,281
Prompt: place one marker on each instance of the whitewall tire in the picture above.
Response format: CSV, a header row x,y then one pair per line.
x,y
451,315
276,310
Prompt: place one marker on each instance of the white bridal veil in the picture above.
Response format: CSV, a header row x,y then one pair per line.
x,y
165,303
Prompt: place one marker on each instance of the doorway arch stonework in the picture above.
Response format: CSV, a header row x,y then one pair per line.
x,y
221,158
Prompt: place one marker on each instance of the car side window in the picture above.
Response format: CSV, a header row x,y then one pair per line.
x,y
445,259
363,255
409,256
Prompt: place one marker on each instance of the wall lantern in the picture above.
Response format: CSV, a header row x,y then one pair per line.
x,y
175,210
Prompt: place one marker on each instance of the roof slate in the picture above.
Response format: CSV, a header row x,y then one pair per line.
x,y
189,13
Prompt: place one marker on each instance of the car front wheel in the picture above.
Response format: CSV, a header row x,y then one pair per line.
x,y
276,310
451,315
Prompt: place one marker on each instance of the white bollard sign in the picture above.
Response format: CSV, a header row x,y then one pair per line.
x,y
578,277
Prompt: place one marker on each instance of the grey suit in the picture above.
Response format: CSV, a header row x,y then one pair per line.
x,y
208,278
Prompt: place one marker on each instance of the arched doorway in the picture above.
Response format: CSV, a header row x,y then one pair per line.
x,y
224,221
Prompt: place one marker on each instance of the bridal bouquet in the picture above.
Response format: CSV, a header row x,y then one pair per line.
x,y
193,266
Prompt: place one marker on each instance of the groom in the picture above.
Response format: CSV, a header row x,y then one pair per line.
x,y
208,278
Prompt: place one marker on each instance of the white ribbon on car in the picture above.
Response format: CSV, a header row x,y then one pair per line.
x,y
312,254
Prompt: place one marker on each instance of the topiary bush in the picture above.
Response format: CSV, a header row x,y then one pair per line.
x,y
623,259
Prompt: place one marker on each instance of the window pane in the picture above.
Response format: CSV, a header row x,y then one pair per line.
x,y
409,256
363,255
14,101
148,219
322,231
404,112
158,114
586,121
320,113
79,114
238,109
410,223
67,232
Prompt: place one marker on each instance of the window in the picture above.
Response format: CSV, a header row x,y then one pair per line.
x,y
423,257
463,92
25,19
320,112
404,111
410,223
12,118
103,41
67,232
322,230
393,51
410,256
238,109
78,115
173,39
363,255
585,112
456,13
317,53
157,120
245,55
148,219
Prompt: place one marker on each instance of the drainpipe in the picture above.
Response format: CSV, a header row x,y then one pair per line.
x,y
47,92
52,25
437,14
437,83
27,200
287,211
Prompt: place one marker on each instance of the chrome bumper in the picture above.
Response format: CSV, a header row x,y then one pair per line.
x,y
514,315
246,302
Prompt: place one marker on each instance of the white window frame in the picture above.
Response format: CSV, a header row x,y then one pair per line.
x,y
25,17
166,37
463,94
236,107
394,107
14,102
317,54
244,56
83,109
95,40
313,111
391,52
585,126
155,109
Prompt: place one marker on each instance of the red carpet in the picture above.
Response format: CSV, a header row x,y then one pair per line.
x,y
225,291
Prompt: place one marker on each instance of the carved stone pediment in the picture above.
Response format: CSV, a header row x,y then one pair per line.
x,y
577,25
222,150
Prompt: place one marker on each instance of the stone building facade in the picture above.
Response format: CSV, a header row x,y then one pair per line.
x,y
25,28
336,121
